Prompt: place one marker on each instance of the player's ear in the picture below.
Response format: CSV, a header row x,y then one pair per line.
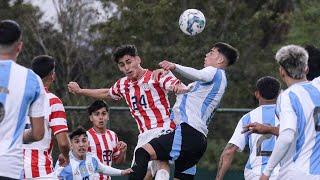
x,y
257,94
138,59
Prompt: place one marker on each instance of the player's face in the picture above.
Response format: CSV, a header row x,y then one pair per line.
x,y
79,146
99,118
130,66
213,57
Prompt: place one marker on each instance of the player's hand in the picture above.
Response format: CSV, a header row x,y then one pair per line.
x,y
167,65
63,161
180,88
122,146
264,177
126,172
256,128
158,73
74,87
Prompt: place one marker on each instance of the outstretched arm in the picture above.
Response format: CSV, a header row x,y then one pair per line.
x,y
204,75
108,170
261,129
95,93
226,160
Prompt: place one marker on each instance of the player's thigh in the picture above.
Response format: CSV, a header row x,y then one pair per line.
x,y
163,146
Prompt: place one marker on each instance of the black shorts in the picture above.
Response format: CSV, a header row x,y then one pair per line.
x,y
185,145
6,178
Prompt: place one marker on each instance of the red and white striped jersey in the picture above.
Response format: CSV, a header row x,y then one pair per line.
x,y
37,155
147,99
104,146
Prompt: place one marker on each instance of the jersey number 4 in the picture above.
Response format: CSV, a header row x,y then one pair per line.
x,y
142,102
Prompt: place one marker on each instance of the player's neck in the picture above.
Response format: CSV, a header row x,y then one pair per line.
x,y
141,73
263,101
291,81
100,130
8,57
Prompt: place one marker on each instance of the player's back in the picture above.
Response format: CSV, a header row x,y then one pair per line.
x,y
37,155
19,88
197,106
260,146
303,100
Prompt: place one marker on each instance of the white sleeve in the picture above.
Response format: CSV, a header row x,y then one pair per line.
x,y
280,149
107,170
205,75
37,107
237,138
287,115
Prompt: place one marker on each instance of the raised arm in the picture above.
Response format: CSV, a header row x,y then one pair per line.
x,y
95,93
226,160
204,75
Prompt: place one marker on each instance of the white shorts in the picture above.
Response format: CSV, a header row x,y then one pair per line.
x,y
296,175
146,137
251,175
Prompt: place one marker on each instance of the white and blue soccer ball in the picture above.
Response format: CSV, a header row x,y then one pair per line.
x,y
192,22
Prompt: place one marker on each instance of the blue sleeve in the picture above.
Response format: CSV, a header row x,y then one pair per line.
x,y
95,164
66,173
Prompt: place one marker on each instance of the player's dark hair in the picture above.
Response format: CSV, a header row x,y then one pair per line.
x,y
43,65
10,32
96,105
268,87
77,132
231,53
313,62
123,50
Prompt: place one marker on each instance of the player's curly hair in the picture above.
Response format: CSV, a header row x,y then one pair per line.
x,y
268,87
123,50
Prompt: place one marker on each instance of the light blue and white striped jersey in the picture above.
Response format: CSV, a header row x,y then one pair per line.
x,y
260,146
21,94
197,106
298,108
86,169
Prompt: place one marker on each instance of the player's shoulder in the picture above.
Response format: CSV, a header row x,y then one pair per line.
x,y
111,132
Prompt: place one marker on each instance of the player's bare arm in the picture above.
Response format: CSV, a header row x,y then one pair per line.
x,y
261,129
64,146
226,160
122,147
74,88
36,133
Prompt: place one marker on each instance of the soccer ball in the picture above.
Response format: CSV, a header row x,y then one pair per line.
x,y
192,22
